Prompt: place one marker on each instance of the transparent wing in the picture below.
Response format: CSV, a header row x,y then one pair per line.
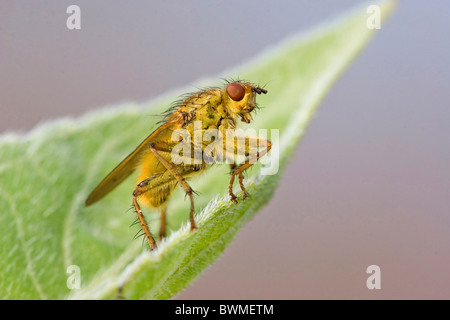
x,y
125,168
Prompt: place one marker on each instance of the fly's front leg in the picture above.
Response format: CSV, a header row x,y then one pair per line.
x,y
233,197
253,157
241,184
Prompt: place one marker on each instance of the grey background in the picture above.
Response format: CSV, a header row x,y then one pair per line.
x,y
369,183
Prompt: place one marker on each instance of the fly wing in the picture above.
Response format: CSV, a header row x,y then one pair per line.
x,y
132,161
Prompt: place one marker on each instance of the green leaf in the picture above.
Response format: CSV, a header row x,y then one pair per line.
x,y
46,175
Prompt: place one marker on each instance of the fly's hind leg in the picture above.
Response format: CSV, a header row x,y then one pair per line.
x,y
152,184
140,189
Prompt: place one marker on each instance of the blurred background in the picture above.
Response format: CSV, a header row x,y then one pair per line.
x,y
370,182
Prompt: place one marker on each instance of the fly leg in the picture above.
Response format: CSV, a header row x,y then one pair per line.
x,y
241,184
162,227
140,189
251,160
180,180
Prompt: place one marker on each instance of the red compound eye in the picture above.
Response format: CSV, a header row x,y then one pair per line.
x,y
235,91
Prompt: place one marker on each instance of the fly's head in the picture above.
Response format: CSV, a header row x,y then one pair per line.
x,y
241,99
